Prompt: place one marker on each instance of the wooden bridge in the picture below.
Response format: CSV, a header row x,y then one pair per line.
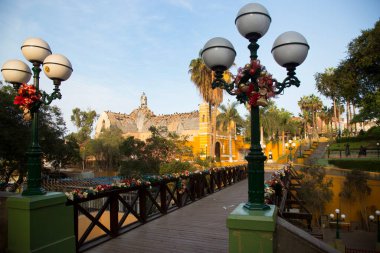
x,y
199,227
201,201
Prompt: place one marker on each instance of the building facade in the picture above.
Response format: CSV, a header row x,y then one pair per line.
x,y
199,126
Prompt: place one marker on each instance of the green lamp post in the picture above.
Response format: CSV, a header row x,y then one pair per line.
x,y
56,67
339,217
290,145
253,85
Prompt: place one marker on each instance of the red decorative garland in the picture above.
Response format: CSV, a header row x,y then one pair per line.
x,y
264,81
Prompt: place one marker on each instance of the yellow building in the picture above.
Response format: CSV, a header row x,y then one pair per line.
x,y
199,126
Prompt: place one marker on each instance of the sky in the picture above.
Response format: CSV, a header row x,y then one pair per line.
x,y
120,49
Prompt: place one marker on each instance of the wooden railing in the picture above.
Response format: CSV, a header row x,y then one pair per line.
x,y
290,199
106,215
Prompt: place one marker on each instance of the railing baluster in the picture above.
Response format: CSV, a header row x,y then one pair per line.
x,y
114,214
164,206
212,182
142,201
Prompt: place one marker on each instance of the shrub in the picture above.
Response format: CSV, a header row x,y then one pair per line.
x,y
175,166
357,164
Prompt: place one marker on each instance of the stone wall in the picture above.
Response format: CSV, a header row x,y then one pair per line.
x,y
289,238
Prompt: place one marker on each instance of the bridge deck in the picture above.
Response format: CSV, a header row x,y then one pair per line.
x,y
198,227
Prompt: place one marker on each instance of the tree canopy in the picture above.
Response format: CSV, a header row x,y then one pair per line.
x,y
15,137
356,80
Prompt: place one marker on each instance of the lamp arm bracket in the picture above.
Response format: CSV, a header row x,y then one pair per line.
x,y
290,80
46,99
219,82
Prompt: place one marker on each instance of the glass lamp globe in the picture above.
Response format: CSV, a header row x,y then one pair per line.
x,y
331,216
253,21
35,50
218,54
57,67
377,212
343,216
337,211
371,217
16,72
290,49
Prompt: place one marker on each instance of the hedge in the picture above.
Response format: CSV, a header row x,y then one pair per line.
x,y
357,164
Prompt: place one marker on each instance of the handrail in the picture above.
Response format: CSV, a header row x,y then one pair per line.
x,y
289,197
128,208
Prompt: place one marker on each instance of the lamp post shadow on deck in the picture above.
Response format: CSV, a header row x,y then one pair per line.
x,y
38,221
253,85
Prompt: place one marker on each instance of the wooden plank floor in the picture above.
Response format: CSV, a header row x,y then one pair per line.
x,y
198,227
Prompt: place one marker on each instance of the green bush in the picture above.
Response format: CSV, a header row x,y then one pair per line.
x,y
175,167
373,134
357,164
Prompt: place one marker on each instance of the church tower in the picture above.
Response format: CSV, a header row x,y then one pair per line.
x,y
207,130
143,101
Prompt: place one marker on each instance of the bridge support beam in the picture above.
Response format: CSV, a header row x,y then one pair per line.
x,y
40,224
252,230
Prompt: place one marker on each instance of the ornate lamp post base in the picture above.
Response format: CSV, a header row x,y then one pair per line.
x,y
252,231
40,224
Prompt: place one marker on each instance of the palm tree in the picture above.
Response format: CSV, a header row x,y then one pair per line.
x,y
202,77
228,117
316,105
304,105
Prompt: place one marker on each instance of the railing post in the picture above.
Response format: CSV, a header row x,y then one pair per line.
x,y
212,182
224,177
179,195
192,188
114,214
164,207
229,175
142,203
203,185
198,185
220,179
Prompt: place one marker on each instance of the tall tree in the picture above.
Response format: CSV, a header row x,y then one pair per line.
x,y
316,190
304,105
106,148
84,121
227,119
328,85
15,137
364,52
356,189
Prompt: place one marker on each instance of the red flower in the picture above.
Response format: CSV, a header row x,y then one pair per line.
x,y
27,96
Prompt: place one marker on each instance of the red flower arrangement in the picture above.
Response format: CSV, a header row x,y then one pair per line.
x,y
27,96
